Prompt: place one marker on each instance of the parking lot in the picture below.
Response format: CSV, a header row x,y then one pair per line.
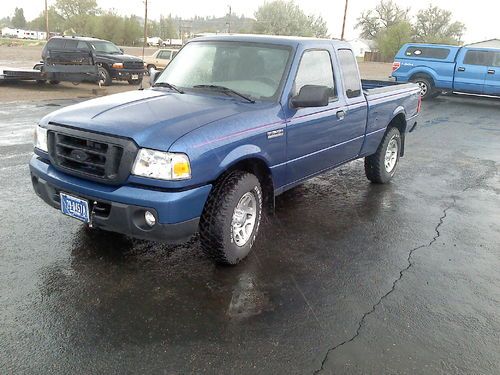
x,y
347,277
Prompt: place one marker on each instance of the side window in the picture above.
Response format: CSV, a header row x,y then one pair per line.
x,y
315,69
70,44
350,74
82,45
496,63
483,58
428,52
162,55
55,43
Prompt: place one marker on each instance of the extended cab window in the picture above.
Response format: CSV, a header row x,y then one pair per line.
x,y
349,69
428,52
315,69
496,63
483,58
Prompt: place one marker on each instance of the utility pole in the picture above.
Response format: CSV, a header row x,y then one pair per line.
x,y
229,21
145,27
47,20
345,16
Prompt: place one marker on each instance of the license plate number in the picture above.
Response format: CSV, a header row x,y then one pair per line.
x,y
75,207
134,76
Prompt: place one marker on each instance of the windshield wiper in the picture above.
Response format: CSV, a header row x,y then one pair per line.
x,y
169,85
224,89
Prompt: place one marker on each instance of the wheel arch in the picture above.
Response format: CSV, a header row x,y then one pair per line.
x,y
399,122
249,158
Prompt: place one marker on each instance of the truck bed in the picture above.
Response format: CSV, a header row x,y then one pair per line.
x,y
374,87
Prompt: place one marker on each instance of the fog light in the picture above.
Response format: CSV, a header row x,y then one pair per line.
x,y
150,218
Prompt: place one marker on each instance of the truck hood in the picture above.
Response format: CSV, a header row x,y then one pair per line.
x,y
152,118
118,57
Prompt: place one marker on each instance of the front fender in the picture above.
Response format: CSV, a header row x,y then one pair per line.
x,y
242,152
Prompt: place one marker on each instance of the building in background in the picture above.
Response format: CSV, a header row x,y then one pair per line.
x,y
491,43
23,34
360,46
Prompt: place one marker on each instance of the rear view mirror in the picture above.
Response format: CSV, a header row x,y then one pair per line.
x,y
153,76
312,96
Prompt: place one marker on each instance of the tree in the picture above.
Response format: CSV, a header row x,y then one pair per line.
x,y
386,14
434,25
77,14
56,21
18,21
281,17
390,40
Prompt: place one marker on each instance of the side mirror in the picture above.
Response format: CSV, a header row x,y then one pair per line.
x,y
121,49
153,76
312,96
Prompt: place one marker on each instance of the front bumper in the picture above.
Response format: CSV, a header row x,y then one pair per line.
x,y
121,208
126,74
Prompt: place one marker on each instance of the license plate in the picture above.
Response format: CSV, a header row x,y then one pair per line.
x,y
75,207
134,76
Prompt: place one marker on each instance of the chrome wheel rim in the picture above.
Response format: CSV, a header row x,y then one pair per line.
x,y
244,218
391,155
423,88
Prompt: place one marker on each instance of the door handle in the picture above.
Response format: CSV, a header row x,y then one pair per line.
x,y
341,114
491,71
461,69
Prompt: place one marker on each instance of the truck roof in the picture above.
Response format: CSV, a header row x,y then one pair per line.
x,y
272,39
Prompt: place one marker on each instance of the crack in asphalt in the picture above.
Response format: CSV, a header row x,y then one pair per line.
x,y
401,273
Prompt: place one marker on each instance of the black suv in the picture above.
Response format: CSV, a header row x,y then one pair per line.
x,y
110,59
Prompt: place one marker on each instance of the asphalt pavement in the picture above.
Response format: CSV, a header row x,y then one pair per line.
x,y
347,277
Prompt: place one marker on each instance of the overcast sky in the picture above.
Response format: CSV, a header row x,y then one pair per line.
x,y
481,18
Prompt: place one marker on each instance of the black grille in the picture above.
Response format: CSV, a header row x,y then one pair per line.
x,y
133,65
93,156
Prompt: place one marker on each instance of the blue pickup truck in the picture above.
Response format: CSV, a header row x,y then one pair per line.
x,y
442,68
232,122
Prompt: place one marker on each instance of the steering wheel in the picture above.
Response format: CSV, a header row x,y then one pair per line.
x,y
266,80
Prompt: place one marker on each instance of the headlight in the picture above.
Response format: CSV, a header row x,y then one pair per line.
x,y
161,165
117,65
41,138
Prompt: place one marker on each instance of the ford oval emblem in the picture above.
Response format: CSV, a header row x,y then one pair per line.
x,y
79,155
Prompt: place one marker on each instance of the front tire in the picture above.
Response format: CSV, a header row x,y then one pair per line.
x,y
231,218
104,76
381,166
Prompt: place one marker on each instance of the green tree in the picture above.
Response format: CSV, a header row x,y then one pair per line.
x,y
386,14
391,39
435,25
281,17
168,28
18,21
78,14
56,21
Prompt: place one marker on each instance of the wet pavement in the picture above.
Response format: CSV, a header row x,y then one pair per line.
x,y
346,277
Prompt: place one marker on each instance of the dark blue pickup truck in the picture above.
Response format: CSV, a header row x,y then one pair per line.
x,y
232,122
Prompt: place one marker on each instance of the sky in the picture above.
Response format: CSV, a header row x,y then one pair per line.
x,y
481,19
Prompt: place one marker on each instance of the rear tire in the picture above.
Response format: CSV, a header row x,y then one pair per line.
x,y
427,90
381,166
54,82
230,220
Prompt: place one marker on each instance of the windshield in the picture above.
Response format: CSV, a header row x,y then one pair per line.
x,y
255,70
106,47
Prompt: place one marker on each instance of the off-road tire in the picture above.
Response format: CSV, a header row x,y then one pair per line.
x,y
215,223
375,169
104,76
